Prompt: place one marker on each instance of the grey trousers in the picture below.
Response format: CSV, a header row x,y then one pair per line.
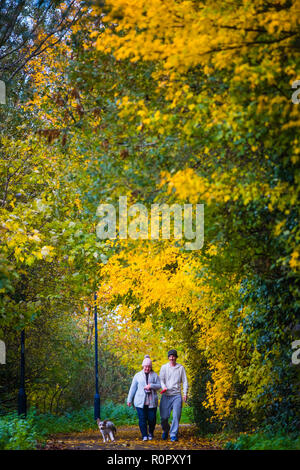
x,y
167,404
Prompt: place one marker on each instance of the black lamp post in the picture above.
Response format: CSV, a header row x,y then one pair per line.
x,y
22,405
97,396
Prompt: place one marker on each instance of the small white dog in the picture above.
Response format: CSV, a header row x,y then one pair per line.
x,y
107,428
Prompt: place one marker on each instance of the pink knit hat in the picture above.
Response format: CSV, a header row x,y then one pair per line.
x,y
147,361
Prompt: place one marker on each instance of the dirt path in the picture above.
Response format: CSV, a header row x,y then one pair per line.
x,y
128,438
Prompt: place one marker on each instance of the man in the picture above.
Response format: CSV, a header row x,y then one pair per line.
x,y
171,376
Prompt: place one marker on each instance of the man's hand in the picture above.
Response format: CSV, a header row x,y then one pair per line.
x,y
147,387
128,404
185,398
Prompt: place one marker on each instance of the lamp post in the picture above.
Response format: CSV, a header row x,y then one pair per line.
x,y
22,405
97,396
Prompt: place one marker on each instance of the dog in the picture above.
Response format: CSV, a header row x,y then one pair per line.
x,y
107,428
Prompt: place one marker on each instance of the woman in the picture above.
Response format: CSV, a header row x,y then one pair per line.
x,y
143,392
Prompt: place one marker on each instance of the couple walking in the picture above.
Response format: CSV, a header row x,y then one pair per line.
x,y
143,394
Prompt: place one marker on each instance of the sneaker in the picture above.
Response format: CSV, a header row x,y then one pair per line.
x,y
150,437
145,438
165,435
174,439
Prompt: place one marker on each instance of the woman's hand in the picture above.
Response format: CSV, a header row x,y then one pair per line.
x,y
128,404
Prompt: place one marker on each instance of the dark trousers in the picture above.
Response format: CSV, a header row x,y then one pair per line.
x,y
146,416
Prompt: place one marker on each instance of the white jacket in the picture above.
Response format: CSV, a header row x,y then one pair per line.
x,y
172,377
137,392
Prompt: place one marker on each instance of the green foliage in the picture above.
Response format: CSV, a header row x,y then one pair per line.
x,y
22,434
60,365
269,332
17,433
83,419
260,441
120,414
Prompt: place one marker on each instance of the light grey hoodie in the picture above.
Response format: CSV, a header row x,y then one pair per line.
x,y
172,377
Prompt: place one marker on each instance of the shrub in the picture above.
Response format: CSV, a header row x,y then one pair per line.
x,y
262,441
17,433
